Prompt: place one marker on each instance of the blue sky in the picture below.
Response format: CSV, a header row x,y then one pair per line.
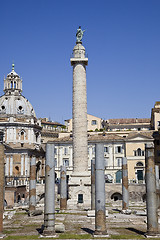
x,y
122,40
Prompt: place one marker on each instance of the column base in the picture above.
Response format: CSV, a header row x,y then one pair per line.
x,y
79,191
48,234
152,235
100,234
2,235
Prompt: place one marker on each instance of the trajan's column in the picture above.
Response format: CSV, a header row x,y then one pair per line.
x,y
79,183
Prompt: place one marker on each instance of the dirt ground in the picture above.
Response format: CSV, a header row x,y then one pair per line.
x,y
18,225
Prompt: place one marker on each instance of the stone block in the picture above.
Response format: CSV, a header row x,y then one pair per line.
x,y
59,228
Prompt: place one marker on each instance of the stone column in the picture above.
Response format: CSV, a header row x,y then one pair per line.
x,y
79,110
60,156
100,212
93,184
80,181
1,188
22,164
32,184
63,189
7,166
151,199
11,165
70,158
157,185
125,193
49,210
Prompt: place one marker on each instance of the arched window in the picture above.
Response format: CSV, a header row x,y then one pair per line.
x,y
139,164
139,152
22,135
11,84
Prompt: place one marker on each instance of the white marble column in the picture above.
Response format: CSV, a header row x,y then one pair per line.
x,y
90,155
7,166
70,157
25,165
60,156
79,111
11,165
28,173
22,164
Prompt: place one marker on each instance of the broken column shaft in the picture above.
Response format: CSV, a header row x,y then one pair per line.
x,y
93,184
49,210
125,193
100,213
63,189
151,199
32,184
1,187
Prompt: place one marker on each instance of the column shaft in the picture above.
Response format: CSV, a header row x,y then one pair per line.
x,y
63,189
93,184
49,210
32,184
1,186
157,185
151,200
100,215
125,193
80,143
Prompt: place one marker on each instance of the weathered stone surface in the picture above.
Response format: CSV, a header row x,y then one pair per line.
x,y
91,213
59,228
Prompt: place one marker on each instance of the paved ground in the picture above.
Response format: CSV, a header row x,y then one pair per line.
x,y
77,225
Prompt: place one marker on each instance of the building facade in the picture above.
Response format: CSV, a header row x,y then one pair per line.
x,y
114,145
22,132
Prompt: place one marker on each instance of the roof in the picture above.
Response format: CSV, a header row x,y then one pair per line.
x,y
51,123
128,120
102,137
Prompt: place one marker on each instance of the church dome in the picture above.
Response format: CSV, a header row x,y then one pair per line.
x,y
16,105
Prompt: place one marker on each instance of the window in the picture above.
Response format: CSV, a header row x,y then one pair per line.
x,y
55,151
118,149
22,135
80,198
20,110
139,152
119,162
65,151
37,135
55,162
94,122
106,149
93,150
158,123
139,164
66,162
